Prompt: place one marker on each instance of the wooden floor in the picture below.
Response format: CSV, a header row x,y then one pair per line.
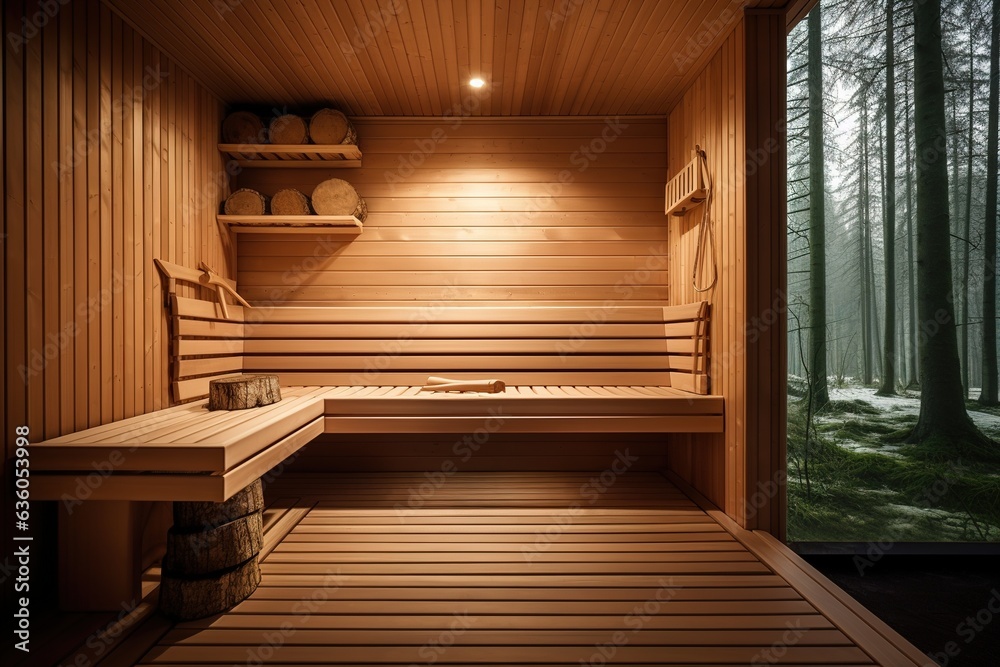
x,y
520,568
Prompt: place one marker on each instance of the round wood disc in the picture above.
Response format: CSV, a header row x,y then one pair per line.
x,y
246,202
336,196
329,126
289,129
290,201
198,515
243,127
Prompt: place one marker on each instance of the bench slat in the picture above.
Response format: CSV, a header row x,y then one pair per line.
x,y
457,315
540,364
482,346
434,330
584,377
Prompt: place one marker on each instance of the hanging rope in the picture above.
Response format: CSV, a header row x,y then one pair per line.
x,y
705,231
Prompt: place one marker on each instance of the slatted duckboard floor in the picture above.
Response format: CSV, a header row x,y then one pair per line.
x,y
514,568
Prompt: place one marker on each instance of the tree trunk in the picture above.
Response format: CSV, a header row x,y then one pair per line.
x,y
866,286
914,375
889,208
817,219
988,395
942,409
966,239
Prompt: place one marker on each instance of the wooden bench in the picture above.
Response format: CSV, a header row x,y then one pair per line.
x,y
613,369
360,370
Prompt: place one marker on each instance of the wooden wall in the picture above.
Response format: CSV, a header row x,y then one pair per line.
x,y
735,112
474,211
109,160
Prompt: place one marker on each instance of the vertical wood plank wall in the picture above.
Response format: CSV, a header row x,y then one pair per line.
x,y
735,111
474,211
110,160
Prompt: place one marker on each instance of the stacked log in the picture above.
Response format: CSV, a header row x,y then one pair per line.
x,y
336,196
290,201
246,202
243,127
211,561
289,129
329,126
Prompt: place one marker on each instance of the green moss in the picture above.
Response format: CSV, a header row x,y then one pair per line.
x,y
923,493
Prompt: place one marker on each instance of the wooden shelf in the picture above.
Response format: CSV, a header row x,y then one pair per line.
x,y
293,155
292,224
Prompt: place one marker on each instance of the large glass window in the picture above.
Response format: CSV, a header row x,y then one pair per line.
x,y
893,420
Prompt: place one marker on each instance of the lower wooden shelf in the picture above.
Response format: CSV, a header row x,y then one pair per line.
x,y
292,224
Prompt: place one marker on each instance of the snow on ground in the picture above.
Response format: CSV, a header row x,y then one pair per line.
x,y
905,405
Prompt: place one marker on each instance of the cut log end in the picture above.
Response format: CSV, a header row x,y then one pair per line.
x,y
246,202
243,392
290,202
336,196
243,127
289,129
329,126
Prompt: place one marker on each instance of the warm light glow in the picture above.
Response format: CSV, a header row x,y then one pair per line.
x,y
477,82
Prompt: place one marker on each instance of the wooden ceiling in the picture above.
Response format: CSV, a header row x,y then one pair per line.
x,y
415,57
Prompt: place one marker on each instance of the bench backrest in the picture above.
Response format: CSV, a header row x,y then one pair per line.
x,y
344,345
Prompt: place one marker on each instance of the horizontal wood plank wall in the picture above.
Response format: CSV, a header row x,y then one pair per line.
x,y
480,212
734,112
109,160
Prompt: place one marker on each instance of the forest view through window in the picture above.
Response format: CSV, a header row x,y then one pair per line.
x,y
893,424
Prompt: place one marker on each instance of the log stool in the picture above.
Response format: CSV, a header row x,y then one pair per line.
x,y
211,561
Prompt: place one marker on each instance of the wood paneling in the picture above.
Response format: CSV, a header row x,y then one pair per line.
x,y
735,112
85,213
414,58
89,109
480,212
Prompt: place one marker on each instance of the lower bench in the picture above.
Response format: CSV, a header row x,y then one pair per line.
x,y
188,453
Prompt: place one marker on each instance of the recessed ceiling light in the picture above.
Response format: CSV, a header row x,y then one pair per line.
x,y
477,82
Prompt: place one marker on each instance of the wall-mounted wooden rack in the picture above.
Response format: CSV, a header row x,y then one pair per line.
x,y
347,225
293,155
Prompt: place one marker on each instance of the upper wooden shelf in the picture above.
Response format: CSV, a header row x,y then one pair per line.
x,y
293,155
293,224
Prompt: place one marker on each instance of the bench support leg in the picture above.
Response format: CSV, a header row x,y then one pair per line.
x,y
99,556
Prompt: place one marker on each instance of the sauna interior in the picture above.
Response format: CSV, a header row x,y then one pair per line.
x,y
621,501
